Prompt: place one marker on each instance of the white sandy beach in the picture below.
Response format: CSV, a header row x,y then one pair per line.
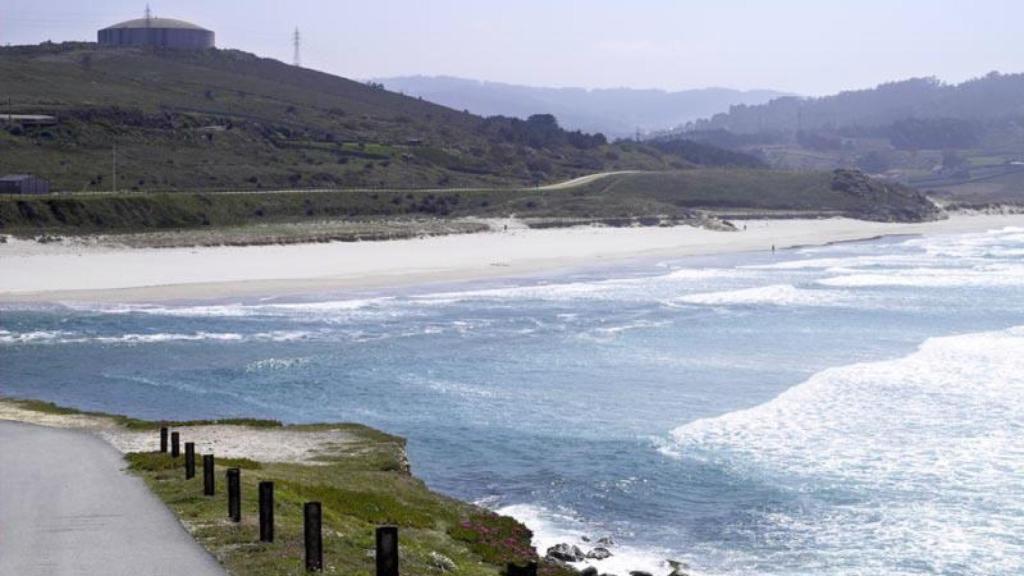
x,y
90,271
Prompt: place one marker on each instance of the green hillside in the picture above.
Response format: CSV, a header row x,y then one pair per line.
x,y
223,119
765,193
645,198
223,139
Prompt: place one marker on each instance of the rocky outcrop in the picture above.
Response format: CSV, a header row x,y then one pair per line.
x,y
599,553
565,553
678,568
883,201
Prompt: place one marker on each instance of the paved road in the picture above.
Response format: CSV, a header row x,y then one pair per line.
x,y
66,507
586,179
556,186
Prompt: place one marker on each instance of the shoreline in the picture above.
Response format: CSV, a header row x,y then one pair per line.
x,y
90,271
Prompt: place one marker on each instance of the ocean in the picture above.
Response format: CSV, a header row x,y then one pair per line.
x,y
839,410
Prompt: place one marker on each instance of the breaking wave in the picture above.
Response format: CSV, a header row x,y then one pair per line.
x,y
775,295
550,528
923,454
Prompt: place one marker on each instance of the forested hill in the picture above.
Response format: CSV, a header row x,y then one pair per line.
x,y
992,97
227,119
617,112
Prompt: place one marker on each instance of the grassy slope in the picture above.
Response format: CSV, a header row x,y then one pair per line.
x,y
225,119
673,195
761,192
361,486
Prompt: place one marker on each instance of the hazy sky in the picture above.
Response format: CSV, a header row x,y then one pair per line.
x,y
805,46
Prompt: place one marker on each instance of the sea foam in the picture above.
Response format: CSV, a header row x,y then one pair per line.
x,y
775,295
68,337
550,528
923,451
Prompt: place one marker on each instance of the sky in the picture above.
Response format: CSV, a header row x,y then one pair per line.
x,y
809,47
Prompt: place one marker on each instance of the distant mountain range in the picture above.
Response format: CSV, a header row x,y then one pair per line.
x,y
615,112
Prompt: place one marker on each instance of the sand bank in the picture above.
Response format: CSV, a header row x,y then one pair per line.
x,y
98,271
266,444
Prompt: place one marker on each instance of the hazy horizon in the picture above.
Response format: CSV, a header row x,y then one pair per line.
x,y
796,46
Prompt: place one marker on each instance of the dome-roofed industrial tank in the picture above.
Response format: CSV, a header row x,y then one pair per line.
x,y
164,32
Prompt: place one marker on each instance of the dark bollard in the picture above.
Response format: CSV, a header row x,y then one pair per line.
x,y
515,570
266,511
387,551
235,494
314,538
190,460
208,488
175,445
163,440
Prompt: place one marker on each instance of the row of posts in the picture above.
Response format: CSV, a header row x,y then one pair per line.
x,y
387,536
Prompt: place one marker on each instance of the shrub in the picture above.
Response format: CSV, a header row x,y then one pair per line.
x,y
496,539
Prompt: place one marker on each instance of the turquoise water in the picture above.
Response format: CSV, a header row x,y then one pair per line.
x,y
849,409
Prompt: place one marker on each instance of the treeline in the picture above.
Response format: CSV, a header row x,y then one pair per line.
x,y
994,96
540,131
906,134
704,154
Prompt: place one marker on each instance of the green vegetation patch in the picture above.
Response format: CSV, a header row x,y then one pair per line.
x,y
437,535
655,196
137,424
159,461
498,539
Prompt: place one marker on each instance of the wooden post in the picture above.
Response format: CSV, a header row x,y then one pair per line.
x,y
266,511
387,551
175,445
163,440
313,517
235,494
515,570
208,487
190,460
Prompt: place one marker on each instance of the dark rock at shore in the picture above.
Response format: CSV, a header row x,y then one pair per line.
x,y
678,568
606,541
599,553
640,573
589,571
565,553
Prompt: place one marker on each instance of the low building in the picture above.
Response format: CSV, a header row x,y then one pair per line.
x,y
23,184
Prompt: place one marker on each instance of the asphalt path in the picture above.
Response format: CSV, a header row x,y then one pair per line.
x,y
67,507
